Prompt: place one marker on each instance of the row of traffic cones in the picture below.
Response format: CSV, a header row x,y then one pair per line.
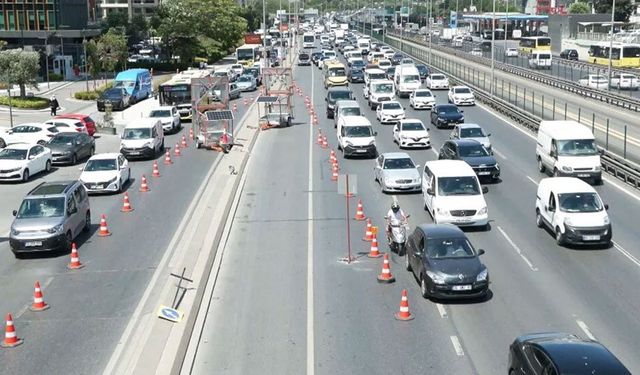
x,y
11,338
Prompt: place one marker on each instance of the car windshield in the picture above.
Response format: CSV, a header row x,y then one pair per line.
x,y
462,90
467,185
125,84
412,126
473,151
358,131
443,248
391,106
447,109
160,113
337,72
97,165
437,77
303,56
350,111
422,69
577,147
580,202
358,63
384,88
411,79
423,94
137,133
340,95
471,133
63,139
113,93
13,154
41,207
374,76
399,163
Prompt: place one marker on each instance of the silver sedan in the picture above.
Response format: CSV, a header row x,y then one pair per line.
x,y
396,172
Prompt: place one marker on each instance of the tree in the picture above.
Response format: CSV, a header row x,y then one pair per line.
x,y
18,67
579,8
3,43
93,60
624,8
138,28
112,49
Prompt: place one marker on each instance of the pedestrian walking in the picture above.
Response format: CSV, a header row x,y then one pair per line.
x,y
53,103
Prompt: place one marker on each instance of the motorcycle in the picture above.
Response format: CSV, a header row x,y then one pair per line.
x,y
397,237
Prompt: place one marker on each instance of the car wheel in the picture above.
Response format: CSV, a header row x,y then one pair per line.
x,y
74,159
25,175
559,237
539,222
556,172
87,222
407,264
423,287
69,240
540,166
2,143
47,166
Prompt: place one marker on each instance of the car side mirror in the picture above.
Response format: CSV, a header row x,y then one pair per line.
x,y
430,191
31,157
9,131
461,111
481,252
417,167
489,135
375,134
553,154
606,206
15,213
485,190
72,211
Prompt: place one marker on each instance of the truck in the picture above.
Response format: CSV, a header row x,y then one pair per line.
x,y
448,34
344,26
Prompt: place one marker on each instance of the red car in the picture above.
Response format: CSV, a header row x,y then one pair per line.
x,y
85,119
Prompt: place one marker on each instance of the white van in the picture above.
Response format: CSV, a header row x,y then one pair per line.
x,y
363,45
568,148
346,108
142,138
573,211
407,80
452,193
373,74
356,137
379,91
540,60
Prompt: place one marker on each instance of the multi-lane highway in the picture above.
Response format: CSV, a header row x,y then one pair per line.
x,y
285,303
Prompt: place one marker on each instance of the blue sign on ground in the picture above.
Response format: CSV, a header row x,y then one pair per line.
x,y
169,314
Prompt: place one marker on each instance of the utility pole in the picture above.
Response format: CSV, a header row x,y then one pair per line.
x,y
613,12
493,46
86,64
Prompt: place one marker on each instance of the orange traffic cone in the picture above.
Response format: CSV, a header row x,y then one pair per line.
x,y
307,99
104,230
332,156
235,108
156,171
176,150
10,337
315,120
368,234
191,134
359,211
167,158
334,173
245,102
74,264
126,205
373,251
386,276
183,142
38,300
325,144
404,313
319,140
144,187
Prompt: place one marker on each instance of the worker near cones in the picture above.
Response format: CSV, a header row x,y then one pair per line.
x,y
396,228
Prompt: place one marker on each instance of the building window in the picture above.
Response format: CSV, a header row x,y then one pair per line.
x,y
21,23
2,25
52,19
12,20
42,24
32,20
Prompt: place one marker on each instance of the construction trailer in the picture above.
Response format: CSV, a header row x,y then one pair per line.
x,y
275,105
213,121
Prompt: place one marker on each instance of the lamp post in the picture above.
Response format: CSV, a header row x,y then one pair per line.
x,y
613,12
86,71
430,27
264,34
493,46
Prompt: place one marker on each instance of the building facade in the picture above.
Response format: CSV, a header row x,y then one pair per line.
x,y
131,7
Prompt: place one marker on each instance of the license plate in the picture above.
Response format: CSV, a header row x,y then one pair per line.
x,y
484,173
463,220
590,238
33,243
96,186
361,151
461,287
134,153
583,175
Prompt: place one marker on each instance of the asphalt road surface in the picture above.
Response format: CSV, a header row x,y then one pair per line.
x,y
285,303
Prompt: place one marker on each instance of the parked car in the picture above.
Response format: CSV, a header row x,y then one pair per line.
x,y
247,82
68,148
472,131
68,125
396,172
422,99
106,173
119,98
473,153
49,218
443,115
169,116
569,54
445,263
561,353
86,120
20,161
28,133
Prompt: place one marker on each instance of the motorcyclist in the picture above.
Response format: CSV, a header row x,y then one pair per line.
x,y
394,215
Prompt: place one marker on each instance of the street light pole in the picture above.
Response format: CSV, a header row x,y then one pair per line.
x,y
493,46
613,12
430,27
264,33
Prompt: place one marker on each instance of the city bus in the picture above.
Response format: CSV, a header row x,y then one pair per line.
x,y
623,55
177,91
308,40
248,54
534,43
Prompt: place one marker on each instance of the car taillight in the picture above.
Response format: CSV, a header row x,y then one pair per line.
x,y
50,135
79,130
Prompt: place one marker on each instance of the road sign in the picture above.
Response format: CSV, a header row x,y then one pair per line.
x,y
170,314
353,184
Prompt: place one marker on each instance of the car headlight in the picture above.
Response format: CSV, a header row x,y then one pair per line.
x,y
606,220
462,118
436,278
15,232
566,168
111,181
372,143
568,221
597,168
388,180
349,143
55,229
482,276
483,211
442,211
497,166
147,145
14,169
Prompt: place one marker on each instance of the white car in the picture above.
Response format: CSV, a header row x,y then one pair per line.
x,y
476,52
388,54
236,70
422,99
104,173
510,52
67,125
411,133
437,81
384,63
389,112
461,95
169,116
625,81
395,171
594,81
20,161
28,133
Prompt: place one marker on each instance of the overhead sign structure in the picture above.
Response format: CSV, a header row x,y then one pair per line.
x,y
170,314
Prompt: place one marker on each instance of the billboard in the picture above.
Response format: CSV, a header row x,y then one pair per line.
x,y
453,20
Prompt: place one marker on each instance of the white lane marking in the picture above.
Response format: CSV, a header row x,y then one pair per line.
x,y
457,346
441,310
626,253
517,249
585,328
532,180
310,333
435,151
500,154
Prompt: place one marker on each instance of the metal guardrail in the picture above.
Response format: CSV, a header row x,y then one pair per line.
x,y
622,169
563,84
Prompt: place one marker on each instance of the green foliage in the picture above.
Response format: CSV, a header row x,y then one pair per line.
x,y
33,102
112,49
115,20
19,67
3,43
159,66
138,28
92,95
93,59
579,8
252,16
624,8
55,77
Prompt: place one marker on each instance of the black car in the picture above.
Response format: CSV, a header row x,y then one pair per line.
x,y
391,72
443,115
569,54
304,59
473,153
315,56
70,147
445,263
355,75
119,98
396,58
558,353
423,70
358,64
334,94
